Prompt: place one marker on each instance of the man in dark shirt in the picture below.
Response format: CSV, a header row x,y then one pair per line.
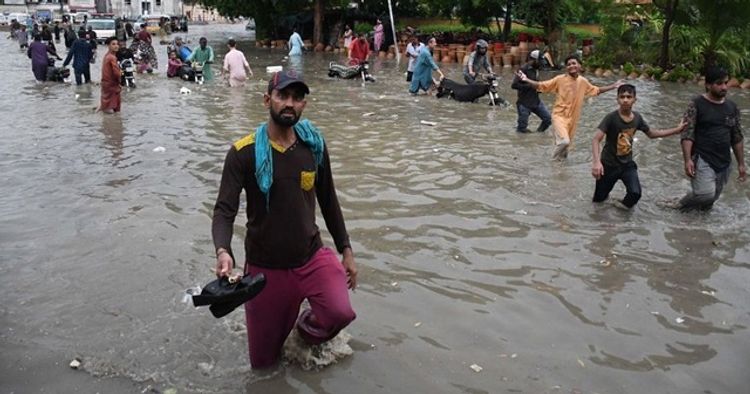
x,y
81,53
528,97
713,128
284,168
616,160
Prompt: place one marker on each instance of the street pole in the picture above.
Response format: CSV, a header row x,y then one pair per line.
x,y
393,28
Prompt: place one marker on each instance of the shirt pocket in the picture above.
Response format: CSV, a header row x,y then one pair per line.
x,y
307,180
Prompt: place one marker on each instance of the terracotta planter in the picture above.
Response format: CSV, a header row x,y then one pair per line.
x,y
448,59
460,56
514,50
507,60
523,45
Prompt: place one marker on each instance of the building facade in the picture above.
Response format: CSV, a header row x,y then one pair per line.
x,y
135,8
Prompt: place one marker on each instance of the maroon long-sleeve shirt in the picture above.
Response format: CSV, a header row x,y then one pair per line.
x,y
285,234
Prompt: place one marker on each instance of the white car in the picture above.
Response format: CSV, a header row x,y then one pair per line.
x,y
4,20
18,16
104,28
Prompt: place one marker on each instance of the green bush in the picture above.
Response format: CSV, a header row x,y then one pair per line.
x,y
654,72
679,73
363,27
628,68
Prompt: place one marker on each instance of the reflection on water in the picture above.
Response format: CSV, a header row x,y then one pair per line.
x,y
473,247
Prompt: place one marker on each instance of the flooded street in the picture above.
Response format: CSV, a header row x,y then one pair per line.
x,y
473,247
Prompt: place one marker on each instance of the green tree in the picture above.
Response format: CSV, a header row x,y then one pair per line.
x,y
717,17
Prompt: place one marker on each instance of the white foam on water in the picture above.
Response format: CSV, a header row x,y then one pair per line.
x,y
297,351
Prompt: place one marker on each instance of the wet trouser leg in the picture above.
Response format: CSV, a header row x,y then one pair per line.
x,y
629,176
543,114
707,185
272,314
632,185
562,137
523,117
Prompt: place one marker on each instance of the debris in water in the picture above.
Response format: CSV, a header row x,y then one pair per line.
x,y
476,368
514,355
679,320
427,123
417,324
394,284
581,363
522,212
184,90
366,114
76,363
708,292
655,313
160,149
605,263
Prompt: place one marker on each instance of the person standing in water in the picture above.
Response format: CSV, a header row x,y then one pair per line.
x,y
571,88
422,78
284,169
235,65
204,55
714,128
110,97
378,36
295,44
615,161
528,98
412,53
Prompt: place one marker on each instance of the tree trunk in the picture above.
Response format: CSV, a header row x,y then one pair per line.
x,y
508,21
669,13
318,22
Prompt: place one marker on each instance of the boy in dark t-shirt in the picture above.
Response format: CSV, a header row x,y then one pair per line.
x,y
616,159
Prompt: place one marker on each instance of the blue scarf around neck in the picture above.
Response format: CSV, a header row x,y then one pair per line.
x,y
305,131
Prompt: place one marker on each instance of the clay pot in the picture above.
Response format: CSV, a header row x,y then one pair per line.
x,y
733,83
523,45
448,59
633,75
460,56
745,84
599,72
507,60
608,74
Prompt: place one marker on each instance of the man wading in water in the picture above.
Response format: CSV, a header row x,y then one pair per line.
x,y
571,88
284,168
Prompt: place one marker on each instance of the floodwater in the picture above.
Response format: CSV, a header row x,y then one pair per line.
x,y
473,247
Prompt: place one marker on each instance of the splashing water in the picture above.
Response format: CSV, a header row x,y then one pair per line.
x,y
296,351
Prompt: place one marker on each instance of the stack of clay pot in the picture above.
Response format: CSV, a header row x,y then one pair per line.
x,y
460,54
436,52
523,52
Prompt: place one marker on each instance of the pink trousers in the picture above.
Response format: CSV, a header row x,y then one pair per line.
x,y
272,314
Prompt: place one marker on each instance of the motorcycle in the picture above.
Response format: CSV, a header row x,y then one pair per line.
x,y
56,74
187,73
472,92
350,72
128,73
198,73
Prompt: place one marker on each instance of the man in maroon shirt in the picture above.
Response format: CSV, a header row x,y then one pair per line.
x,y
359,50
284,169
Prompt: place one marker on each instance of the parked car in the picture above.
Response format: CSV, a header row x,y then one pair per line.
x,y
4,20
18,16
80,16
104,28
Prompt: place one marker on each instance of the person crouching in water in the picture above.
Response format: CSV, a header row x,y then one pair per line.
x,y
173,65
477,61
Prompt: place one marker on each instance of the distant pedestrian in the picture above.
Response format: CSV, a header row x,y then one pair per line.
x,y
412,53
37,52
295,44
57,30
528,98
235,65
348,36
81,53
378,35
422,78
22,36
110,96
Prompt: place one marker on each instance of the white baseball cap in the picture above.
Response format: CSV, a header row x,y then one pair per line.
x,y
534,54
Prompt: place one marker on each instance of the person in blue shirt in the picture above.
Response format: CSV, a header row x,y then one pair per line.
x,y
81,53
422,77
295,44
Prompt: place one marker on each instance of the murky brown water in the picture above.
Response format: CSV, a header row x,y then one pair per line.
x,y
473,247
